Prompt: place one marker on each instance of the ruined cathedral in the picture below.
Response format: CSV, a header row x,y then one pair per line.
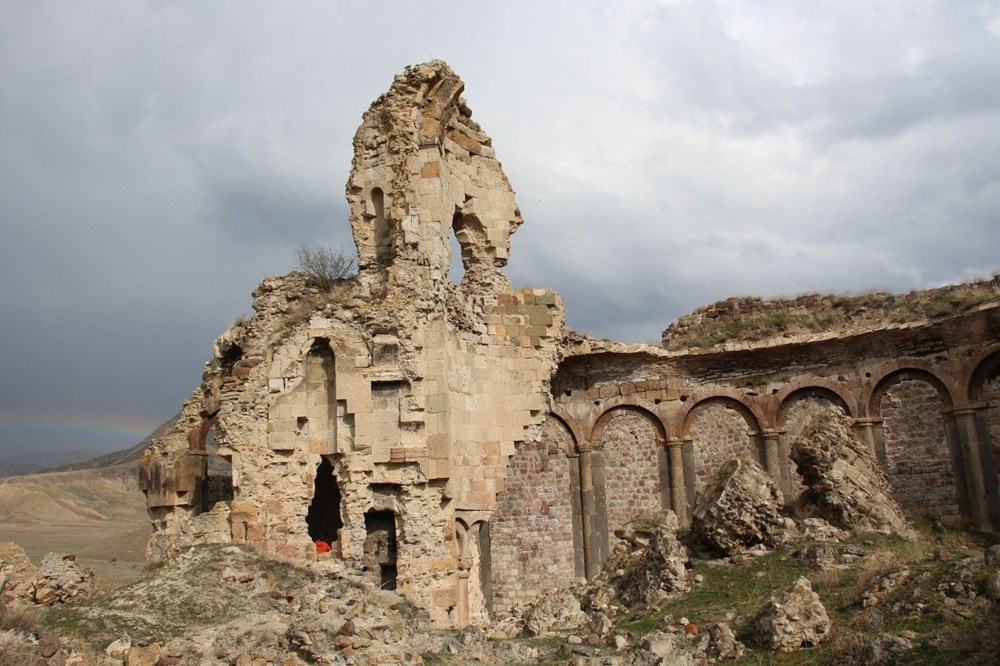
x,y
460,445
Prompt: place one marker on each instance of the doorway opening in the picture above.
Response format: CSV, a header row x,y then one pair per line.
x,y
323,517
380,547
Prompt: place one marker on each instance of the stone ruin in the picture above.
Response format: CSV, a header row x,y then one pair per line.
x,y
459,444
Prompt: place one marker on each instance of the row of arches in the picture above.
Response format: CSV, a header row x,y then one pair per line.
x,y
568,491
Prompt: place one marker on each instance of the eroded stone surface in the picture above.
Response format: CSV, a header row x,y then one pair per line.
x,y
58,578
460,445
648,564
740,509
792,619
843,481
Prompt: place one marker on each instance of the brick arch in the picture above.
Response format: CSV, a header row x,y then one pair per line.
x,y
631,405
629,445
575,428
893,373
923,464
816,388
985,367
727,436
752,416
798,406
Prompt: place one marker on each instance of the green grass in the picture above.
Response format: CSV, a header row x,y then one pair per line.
x,y
733,593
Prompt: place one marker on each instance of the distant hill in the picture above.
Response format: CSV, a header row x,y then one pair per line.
x,y
28,462
107,494
129,456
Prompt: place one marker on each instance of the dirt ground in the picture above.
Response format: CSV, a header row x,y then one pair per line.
x,y
114,552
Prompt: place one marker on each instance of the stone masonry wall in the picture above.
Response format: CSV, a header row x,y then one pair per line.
x,y
991,394
630,453
920,465
531,531
719,434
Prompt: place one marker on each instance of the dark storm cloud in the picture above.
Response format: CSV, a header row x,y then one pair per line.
x,y
160,158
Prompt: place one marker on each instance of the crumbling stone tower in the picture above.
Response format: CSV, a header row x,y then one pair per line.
x,y
379,416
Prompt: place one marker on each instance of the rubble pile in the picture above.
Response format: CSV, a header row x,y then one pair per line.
x,y
648,564
844,482
792,619
740,509
58,578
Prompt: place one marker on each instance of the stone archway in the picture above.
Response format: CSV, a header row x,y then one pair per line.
x,y
795,413
720,428
630,468
920,461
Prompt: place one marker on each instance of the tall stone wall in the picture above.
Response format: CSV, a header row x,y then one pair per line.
x,y
991,395
630,448
917,451
531,531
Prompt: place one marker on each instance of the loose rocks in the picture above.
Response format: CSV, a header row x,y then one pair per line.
x,y
741,509
793,619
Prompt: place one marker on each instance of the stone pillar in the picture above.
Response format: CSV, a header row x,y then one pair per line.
x,y
969,445
690,487
785,464
463,573
463,597
675,464
866,430
772,463
990,462
588,507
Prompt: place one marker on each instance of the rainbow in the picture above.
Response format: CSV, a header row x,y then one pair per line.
x,y
35,424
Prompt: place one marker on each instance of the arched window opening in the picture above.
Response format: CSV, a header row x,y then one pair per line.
x,y
217,486
323,517
468,246
380,227
380,547
456,271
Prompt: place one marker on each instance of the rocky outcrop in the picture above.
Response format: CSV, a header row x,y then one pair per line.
x,y
648,564
740,509
844,482
61,578
58,578
17,574
792,619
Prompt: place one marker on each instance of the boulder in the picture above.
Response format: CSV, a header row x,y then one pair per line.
x,y
844,482
648,563
61,578
740,509
17,572
792,619
559,611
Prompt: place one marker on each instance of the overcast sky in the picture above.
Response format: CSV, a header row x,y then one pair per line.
x,y
158,158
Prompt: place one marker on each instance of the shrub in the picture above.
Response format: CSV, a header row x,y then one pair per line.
x,y
17,618
324,265
15,649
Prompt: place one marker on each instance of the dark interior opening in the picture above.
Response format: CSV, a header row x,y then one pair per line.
x,y
217,486
380,546
323,517
230,357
